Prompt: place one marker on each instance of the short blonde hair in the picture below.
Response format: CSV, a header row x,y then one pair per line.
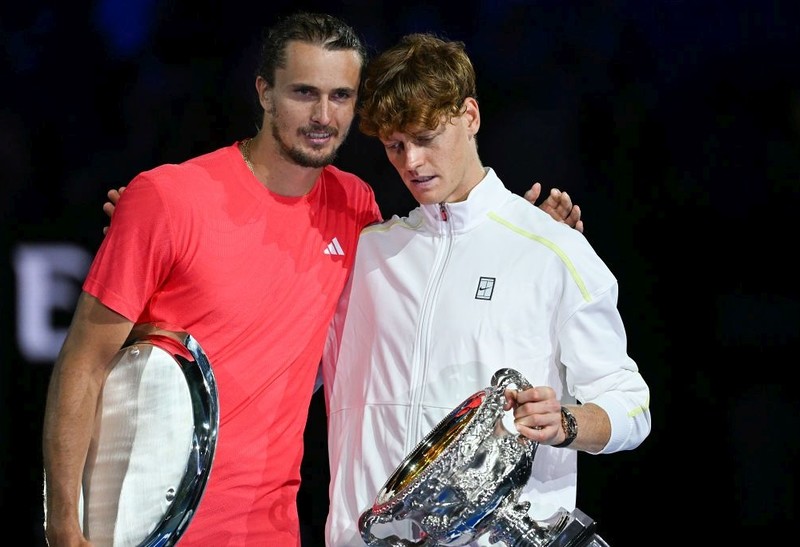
x,y
418,82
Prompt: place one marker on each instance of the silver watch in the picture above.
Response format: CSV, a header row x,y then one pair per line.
x,y
570,426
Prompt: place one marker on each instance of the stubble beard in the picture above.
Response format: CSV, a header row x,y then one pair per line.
x,y
298,156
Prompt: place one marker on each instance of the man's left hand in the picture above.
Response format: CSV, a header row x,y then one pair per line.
x,y
558,205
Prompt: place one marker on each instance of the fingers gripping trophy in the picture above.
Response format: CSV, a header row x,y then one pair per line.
x,y
463,480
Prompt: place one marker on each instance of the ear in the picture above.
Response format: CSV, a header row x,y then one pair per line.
x,y
472,116
263,90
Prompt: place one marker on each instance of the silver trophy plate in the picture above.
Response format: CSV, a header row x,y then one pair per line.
x,y
463,480
152,446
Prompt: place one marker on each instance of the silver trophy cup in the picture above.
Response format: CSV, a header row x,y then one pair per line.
x,y
463,480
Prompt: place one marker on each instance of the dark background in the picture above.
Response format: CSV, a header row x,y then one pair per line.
x,y
674,124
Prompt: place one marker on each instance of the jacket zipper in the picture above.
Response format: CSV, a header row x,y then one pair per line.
x,y
423,342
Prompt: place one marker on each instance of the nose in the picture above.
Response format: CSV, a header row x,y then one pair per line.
x,y
322,112
413,157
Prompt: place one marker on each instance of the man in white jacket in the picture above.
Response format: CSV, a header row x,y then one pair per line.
x,y
473,280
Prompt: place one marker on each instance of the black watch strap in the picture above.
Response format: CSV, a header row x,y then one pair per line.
x,y
570,426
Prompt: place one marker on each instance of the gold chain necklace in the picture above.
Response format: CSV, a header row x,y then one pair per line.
x,y
245,150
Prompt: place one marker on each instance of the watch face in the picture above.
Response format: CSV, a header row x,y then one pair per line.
x,y
569,425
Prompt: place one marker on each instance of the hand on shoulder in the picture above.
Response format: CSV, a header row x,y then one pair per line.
x,y
109,206
558,205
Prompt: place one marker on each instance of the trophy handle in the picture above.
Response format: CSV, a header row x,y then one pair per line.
x,y
368,518
507,376
503,378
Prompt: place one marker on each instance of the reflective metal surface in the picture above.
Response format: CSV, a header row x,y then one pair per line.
x,y
205,408
153,444
463,480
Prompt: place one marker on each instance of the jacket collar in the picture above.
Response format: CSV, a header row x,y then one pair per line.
x,y
486,196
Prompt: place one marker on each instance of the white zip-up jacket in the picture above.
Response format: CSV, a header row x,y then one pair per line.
x,y
440,300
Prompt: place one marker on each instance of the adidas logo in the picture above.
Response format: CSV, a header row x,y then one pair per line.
x,y
333,248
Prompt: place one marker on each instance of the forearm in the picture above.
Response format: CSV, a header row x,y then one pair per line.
x,y
68,422
95,336
594,428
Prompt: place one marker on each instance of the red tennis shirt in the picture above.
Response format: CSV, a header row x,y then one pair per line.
x,y
205,248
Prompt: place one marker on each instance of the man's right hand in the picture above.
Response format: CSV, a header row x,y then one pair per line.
x,y
110,205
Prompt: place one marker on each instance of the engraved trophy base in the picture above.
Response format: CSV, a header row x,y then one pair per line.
x,y
463,480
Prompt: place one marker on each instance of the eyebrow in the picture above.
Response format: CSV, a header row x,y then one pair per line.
x,y
300,85
428,132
